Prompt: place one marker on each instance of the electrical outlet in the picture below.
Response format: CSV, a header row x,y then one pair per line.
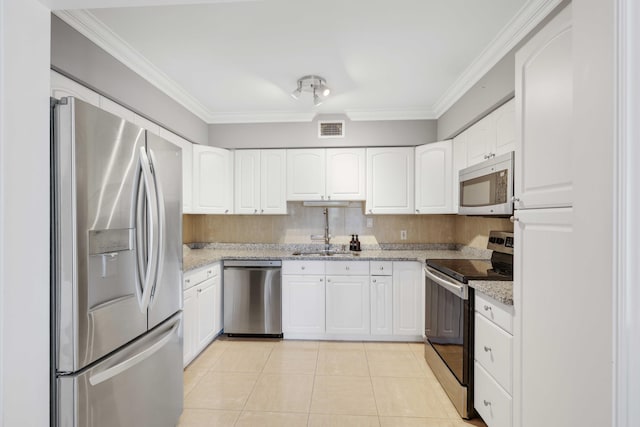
x,y
369,222
403,234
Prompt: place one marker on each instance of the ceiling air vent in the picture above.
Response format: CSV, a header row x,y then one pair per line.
x,y
331,129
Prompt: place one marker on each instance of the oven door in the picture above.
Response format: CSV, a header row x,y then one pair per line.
x,y
449,337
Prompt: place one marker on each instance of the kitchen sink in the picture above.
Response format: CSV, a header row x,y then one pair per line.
x,y
326,253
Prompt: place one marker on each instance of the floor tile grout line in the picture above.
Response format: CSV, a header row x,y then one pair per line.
x,y
373,391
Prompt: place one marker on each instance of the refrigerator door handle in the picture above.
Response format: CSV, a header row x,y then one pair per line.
x,y
161,227
118,368
152,248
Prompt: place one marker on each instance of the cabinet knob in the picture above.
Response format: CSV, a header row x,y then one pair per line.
x,y
487,349
515,199
302,267
486,403
487,308
374,281
513,218
255,211
321,197
381,268
328,280
261,210
417,210
226,211
328,197
209,271
347,268
199,291
321,280
370,210
188,281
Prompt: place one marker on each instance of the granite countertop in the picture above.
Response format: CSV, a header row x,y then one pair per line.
x,y
501,291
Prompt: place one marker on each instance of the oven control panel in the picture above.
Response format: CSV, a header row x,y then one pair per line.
x,y
501,241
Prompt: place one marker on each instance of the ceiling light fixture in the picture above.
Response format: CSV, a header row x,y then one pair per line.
x,y
313,84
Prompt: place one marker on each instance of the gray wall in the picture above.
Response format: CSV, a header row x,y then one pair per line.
x,y
304,135
78,58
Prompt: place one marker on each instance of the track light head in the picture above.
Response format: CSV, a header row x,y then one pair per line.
x,y
313,84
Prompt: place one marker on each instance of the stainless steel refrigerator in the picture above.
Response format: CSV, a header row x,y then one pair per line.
x,y
116,271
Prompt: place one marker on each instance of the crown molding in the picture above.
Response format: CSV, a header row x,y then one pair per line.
x,y
530,15
260,117
92,28
358,116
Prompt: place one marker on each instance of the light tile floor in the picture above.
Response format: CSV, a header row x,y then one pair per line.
x,y
317,384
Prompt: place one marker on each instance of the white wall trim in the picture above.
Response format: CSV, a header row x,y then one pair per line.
x,y
264,117
89,26
626,393
531,14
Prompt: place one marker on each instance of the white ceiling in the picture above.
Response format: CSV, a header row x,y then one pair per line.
x,y
238,61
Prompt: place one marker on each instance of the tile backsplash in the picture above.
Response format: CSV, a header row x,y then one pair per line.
x,y
301,222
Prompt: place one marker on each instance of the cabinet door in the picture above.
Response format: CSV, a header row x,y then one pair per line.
x,y
190,326
187,167
273,172
505,128
217,305
212,180
247,182
381,305
348,305
390,180
481,140
548,319
408,299
346,173
434,193
206,313
544,111
306,174
303,304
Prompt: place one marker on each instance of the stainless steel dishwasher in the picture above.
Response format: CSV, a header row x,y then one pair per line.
x,y
253,298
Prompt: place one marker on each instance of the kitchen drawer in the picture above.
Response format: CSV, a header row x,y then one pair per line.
x,y
303,267
194,277
493,351
500,314
381,268
348,268
492,403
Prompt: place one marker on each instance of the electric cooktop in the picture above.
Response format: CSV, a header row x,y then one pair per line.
x,y
464,270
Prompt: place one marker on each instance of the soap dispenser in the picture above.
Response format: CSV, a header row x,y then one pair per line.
x,y
357,244
352,243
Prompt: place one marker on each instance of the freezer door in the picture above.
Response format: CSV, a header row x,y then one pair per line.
x,y
140,385
166,296
95,169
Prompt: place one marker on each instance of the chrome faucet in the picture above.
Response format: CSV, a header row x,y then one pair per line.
x,y
326,237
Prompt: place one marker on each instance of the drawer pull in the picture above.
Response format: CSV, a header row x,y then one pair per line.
x,y
302,267
347,268
209,271
328,280
487,349
487,308
374,280
486,403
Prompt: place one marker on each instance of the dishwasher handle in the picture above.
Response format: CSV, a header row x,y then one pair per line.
x,y
253,263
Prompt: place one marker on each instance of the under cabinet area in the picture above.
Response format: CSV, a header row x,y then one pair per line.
x,y
493,367
352,300
202,309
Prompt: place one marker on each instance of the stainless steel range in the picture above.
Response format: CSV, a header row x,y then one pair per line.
x,y
449,315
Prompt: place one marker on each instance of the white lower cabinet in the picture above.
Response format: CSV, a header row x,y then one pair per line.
x,y
381,286
408,299
303,304
202,310
348,305
493,368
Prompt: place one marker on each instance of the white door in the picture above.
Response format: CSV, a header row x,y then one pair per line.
x,y
408,299
390,180
544,106
306,174
346,173
548,323
434,169
206,313
273,173
505,128
348,305
212,180
190,325
303,304
381,305
247,182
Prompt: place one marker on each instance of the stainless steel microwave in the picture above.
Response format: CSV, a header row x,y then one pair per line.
x,y
487,188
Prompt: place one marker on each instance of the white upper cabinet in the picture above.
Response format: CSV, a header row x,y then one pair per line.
x,y
491,136
212,180
260,180
390,180
326,174
544,98
434,182
306,174
345,174
187,167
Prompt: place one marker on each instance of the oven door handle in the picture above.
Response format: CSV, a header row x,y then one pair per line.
x,y
458,289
